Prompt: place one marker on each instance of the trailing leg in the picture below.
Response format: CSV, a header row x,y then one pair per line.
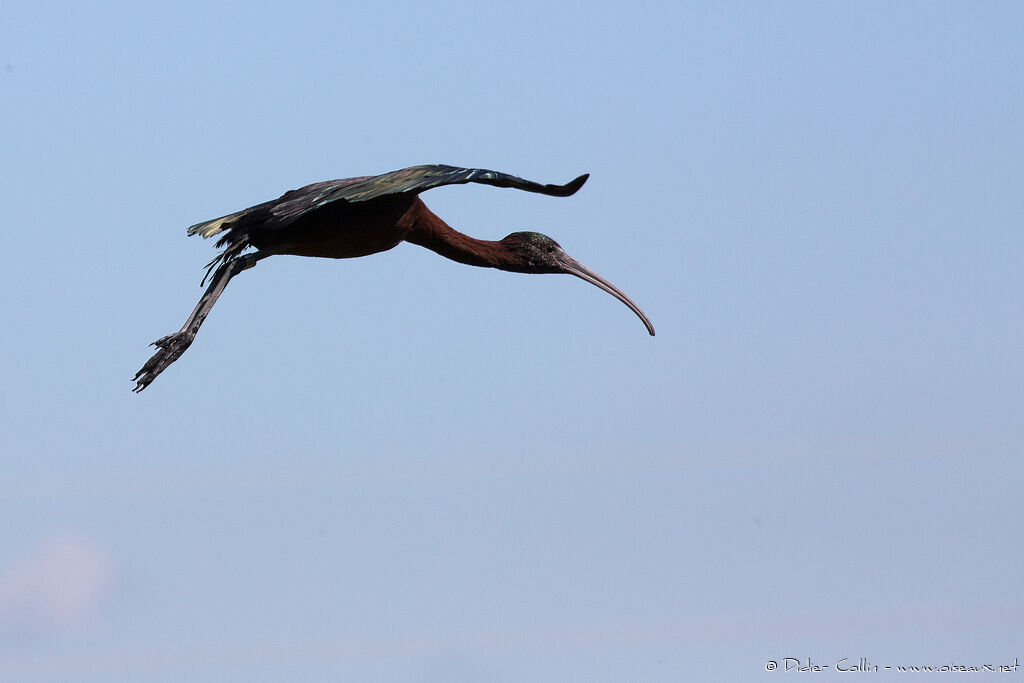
x,y
170,348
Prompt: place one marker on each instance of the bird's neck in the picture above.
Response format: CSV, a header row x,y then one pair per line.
x,y
433,233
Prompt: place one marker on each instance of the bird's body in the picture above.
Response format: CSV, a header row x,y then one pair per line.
x,y
354,217
368,228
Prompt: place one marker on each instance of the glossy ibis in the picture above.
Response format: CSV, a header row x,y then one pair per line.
x,y
359,216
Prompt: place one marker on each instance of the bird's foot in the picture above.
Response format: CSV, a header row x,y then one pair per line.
x,y
169,350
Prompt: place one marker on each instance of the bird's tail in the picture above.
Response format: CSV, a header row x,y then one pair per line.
x,y
217,225
234,241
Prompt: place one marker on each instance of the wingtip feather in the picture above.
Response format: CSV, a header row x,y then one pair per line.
x,y
578,183
571,187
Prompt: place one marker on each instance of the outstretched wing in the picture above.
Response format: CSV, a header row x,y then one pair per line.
x,y
422,178
415,179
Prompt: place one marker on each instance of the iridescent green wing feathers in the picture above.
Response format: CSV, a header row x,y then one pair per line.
x,y
415,179
422,178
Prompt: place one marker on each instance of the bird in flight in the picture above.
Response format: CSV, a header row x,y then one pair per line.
x,y
355,217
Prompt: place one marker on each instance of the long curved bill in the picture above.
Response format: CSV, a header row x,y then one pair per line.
x,y
574,267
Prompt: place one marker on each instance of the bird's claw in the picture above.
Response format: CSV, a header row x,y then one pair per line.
x,y
169,350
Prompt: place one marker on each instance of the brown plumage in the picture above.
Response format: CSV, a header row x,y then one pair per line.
x,y
359,216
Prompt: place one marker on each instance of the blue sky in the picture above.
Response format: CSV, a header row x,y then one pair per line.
x,y
399,468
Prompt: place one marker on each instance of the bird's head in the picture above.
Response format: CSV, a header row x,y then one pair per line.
x,y
532,252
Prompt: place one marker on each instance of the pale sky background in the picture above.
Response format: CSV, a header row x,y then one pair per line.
x,y
398,468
